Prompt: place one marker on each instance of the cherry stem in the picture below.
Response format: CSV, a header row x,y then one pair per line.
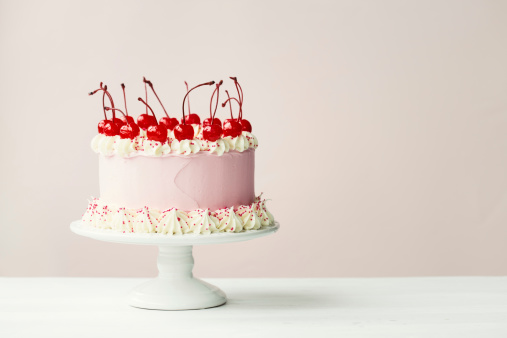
x,y
217,90
240,95
186,84
230,99
146,92
147,106
188,92
104,104
153,89
124,99
241,108
114,109
104,89
230,104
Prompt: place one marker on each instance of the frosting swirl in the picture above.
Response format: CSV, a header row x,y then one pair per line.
x,y
178,222
229,221
239,143
123,220
185,147
146,220
249,217
141,145
202,222
172,222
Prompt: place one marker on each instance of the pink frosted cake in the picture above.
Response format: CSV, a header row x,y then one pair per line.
x,y
176,177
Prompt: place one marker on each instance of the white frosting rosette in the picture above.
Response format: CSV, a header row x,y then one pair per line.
x,y
123,220
249,217
202,222
124,147
252,140
156,148
146,220
185,147
173,222
141,145
239,143
178,222
229,221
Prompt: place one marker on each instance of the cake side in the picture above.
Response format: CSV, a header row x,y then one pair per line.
x,y
199,181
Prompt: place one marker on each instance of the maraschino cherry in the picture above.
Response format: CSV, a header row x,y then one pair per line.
x,y
212,130
232,127
211,119
107,127
190,118
127,118
185,131
168,122
157,132
245,124
128,130
144,121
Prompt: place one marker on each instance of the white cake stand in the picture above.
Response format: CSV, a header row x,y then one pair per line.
x,y
175,288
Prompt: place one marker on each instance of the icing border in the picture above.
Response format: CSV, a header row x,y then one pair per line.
x,y
178,222
141,145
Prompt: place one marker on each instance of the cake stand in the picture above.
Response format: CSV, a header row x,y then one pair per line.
x,y
175,288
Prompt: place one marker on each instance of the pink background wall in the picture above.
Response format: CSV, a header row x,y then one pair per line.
x,y
382,129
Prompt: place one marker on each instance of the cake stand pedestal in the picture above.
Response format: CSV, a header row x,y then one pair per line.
x,y
175,288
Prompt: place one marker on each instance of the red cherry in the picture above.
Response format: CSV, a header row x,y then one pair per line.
x,y
128,119
118,122
184,132
144,121
111,129
169,122
130,130
157,133
232,128
216,121
212,133
101,125
211,120
192,119
245,125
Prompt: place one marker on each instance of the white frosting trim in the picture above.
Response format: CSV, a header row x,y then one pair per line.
x,y
140,145
178,222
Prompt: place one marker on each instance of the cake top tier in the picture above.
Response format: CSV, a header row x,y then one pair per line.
x,y
159,129
123,136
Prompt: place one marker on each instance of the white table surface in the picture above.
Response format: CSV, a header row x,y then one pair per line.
x,y
343,307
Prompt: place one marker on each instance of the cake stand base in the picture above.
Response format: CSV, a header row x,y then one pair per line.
x,y
175,288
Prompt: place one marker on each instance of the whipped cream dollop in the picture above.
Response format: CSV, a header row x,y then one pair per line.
x,y
229,221
202,222
173,222
249,217
178,222
146,220
239,143
123,220
185,147
141,145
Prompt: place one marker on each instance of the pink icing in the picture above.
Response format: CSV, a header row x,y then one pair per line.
x,y
198,181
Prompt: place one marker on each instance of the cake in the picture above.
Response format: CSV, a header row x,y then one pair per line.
x,y
176,177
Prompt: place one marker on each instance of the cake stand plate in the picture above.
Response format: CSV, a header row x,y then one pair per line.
x,y
175,288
